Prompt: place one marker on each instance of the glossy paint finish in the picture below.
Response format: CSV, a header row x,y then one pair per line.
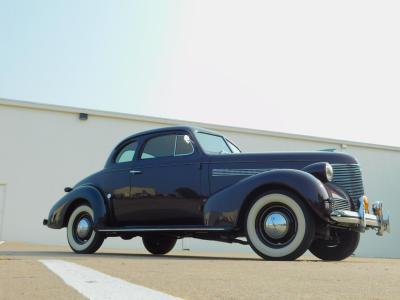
x,y
220,212
58,216
192,191
167,192
160,191
255,163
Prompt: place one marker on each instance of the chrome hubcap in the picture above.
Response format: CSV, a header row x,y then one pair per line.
x,y
84,228
276,225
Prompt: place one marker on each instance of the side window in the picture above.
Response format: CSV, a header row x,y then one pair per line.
x,y
167,145
127,153
184,145
160,146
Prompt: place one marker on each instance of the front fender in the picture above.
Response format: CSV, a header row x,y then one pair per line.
x,y
225,207
58,213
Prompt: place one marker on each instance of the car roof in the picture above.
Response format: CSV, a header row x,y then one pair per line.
x,y
167,129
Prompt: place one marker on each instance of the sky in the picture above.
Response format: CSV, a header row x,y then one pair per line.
x,y
320,68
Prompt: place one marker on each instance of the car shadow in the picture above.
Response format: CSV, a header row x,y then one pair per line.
x,y
118,255
66,254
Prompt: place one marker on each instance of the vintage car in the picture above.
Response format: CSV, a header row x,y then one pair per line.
x,y
175,182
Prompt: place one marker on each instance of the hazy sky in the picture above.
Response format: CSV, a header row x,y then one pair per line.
x,y
324,68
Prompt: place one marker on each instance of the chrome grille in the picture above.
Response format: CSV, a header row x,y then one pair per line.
x,y
348,177
341,204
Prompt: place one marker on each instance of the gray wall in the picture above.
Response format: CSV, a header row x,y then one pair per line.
x,y
45,148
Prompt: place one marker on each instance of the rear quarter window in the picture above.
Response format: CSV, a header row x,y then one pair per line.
x,y
127,153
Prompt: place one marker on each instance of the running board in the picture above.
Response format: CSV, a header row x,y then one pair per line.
x,y
137,229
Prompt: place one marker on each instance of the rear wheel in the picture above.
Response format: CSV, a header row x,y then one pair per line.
x,y
159,244
342,244
279,226
82,238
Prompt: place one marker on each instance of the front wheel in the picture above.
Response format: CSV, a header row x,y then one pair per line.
x,y
341,245
159,244
82,238
279,226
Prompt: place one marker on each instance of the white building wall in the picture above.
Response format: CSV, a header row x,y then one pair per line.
x,y
44,148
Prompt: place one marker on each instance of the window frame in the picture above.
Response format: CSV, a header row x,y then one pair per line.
x,y
176,140
234,145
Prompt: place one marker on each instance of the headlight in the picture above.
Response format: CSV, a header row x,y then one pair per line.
x,y
329,172
322,170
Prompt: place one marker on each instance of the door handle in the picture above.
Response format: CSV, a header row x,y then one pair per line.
x,y
135,172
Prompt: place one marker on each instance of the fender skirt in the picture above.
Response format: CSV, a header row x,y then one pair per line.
x,y
225,207
87,193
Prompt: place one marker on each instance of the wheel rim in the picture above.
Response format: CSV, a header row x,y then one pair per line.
x,y
276,225
82,228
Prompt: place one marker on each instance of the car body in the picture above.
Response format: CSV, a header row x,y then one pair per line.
x,y
175,182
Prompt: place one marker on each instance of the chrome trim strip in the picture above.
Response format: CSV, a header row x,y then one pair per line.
x,y
238,172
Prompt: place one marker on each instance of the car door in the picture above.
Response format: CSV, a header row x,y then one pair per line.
x,y
116,182
166,182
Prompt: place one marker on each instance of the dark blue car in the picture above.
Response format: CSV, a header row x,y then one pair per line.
x,y
176,182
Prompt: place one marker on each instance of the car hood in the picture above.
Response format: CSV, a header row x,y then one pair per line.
x,y
299,157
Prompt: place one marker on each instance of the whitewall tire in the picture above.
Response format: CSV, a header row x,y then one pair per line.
x,y
81,235
279,226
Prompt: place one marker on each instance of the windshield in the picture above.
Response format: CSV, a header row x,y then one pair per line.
x,y
213,144
233,147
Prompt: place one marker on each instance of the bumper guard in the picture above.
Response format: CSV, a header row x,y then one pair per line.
x,y
364,220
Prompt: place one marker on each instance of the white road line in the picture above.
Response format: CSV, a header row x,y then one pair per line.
x,y
99,286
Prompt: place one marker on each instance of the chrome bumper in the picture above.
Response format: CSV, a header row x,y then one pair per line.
x,y
364,220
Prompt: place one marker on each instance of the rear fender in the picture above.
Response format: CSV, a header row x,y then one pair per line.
x,y
226,207
60,211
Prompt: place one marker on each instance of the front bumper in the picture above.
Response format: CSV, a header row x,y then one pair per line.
x,y
363,220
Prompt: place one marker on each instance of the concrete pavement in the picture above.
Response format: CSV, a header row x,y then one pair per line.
x,y
191,275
